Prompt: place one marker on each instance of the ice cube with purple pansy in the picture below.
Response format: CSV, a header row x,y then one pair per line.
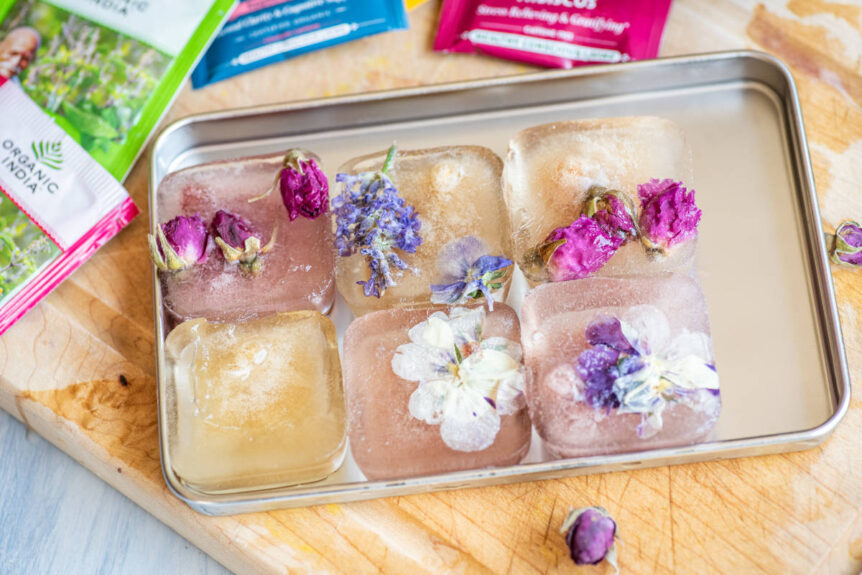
x,y
262,262
395,218
620,364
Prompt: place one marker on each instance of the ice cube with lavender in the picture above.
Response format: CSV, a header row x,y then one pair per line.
x,y
270,245
608,197
619,364
255,404
421,227
434,391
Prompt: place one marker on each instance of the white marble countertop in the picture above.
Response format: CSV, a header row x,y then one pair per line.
x,y
57,517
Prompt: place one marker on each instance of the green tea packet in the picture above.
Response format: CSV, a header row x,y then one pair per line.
x,y
106,70
82,85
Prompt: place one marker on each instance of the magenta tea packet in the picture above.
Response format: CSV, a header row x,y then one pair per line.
x,y
554,33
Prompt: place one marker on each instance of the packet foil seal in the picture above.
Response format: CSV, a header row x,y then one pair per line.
x,y
57,204
262,32
554,33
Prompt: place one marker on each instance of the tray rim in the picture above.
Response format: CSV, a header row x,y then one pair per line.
x,y
820,279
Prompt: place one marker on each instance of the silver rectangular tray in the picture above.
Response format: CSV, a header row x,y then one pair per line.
x,y
761,257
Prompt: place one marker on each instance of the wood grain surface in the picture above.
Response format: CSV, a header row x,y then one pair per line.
x,y
60,366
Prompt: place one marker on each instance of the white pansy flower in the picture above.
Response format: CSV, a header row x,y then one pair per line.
x,y
466,382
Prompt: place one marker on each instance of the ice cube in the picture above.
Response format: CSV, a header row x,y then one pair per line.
x,y
550,170
664,332
457,195
255,404
390,436
298,274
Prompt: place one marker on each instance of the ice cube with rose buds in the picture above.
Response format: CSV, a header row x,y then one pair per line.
x,y
619,364
620,179
290,264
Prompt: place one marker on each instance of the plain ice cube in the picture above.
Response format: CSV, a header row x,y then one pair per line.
x,y
255,404
457,193
298,274
555,317
551,168
386,441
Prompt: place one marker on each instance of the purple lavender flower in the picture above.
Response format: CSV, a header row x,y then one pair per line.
x,y
590,534
304,188
578,250
847,249
373,220
179,243
467,271
238,241
613,212
669,215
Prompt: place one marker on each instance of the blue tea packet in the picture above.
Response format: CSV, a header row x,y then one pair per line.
x,y
261,32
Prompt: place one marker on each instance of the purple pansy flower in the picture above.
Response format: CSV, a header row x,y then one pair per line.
x,y
373,220
669,215
180,243
468,272
634,366
579,249
590,534
847,249
238,240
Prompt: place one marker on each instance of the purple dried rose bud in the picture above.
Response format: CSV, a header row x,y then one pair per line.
x,y
847,247
576,251
590,534
669,215
613,211
238,241
179,243
304,187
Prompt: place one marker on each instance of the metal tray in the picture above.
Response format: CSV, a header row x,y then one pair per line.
x,y
761,257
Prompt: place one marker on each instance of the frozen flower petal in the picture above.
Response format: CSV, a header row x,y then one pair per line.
x,y
647,328
608,330
466,271
470,423
415,362
668,215
584,248
428,401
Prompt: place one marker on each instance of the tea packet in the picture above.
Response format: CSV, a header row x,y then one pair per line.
x,y
554,33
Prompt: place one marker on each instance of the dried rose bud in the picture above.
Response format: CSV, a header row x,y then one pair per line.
x,y
669,215
238,240
590,534
576,251
304,187
613,211
847,248
179,243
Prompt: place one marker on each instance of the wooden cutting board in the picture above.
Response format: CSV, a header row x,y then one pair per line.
x,y
79,369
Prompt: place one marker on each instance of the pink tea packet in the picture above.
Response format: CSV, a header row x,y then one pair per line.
x,y
57,204
554,33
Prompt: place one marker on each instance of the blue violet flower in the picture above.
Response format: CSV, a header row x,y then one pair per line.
x,y
373,220
468,272
633,366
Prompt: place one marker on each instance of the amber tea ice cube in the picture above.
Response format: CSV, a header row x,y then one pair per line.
x,y
454,215
298,273
435,391
553,171
619,364
254,404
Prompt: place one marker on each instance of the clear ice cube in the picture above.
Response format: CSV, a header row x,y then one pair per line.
x,y
388,442
554,319
298,274
551,168
255,404
456,192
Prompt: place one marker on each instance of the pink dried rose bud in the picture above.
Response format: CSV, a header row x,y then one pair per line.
x,y
303,186
613,211
180,243
576,251
669,215
238,241
590,535
847,244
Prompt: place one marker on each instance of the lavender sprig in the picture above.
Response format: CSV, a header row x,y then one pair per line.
x,y
373,220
